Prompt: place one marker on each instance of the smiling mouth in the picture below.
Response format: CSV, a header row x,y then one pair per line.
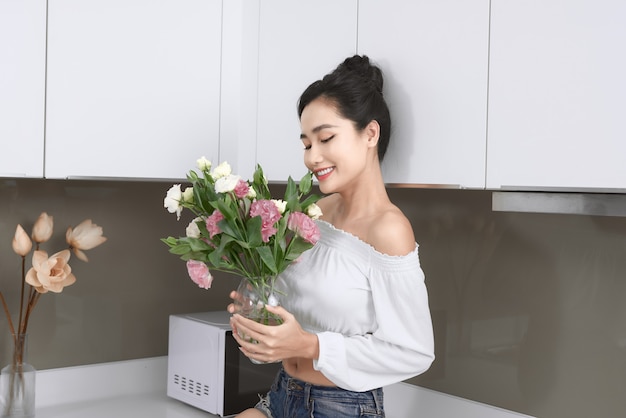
x,y
323,173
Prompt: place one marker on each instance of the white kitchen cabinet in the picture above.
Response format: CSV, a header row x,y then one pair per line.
x,y
133,87
434,57
557,95
22,87
299,42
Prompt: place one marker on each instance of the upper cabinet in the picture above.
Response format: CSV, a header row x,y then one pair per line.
x,y
22,87
434,56
133,87
298,42
557,95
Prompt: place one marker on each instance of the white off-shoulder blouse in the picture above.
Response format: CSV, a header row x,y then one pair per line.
x,y
368,309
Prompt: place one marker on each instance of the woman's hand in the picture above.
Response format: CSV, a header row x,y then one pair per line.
x,y
270,343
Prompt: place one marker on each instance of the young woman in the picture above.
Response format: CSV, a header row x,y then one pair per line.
x,y
356,314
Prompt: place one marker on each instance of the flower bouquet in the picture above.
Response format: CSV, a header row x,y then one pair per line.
x,y
239,228
47,274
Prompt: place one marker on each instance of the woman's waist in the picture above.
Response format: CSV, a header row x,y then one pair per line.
x,y
302,369
324,388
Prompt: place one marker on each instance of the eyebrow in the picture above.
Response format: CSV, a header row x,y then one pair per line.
x,y
319,128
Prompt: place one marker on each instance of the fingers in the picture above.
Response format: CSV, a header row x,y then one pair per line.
x,y
248,326
232,307
255,349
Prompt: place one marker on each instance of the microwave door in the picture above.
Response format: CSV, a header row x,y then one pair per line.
x,y
244,381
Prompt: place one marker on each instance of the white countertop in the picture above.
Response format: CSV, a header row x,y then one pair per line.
x,y
137,388
153,405
127,389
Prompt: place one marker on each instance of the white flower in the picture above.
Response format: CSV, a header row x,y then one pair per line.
x,y
221,170
313,211
227,183
21,242
281,205
192,230
272,300
172,200
84,236
188,195
203,164
251,193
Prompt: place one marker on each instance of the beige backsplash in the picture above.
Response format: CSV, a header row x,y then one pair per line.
x,y
529,309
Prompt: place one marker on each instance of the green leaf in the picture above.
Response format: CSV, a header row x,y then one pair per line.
x,y
281,225
267,258
228,229
253,228
305,183
199,245
309,201
180,249
226,207
202,198
296,247
291,191
171,241
260,183
216,258
192,176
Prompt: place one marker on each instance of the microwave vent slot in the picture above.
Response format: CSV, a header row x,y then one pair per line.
x,y
191,386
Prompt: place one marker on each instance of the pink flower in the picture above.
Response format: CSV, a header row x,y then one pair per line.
x,y
199,273
269,214
242,189
304,227
211,223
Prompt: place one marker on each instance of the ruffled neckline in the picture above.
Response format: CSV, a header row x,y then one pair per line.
x,y
365,245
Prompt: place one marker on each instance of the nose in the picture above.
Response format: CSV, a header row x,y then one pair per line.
x,y
313,157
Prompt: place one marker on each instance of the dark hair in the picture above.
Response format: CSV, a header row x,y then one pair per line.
x,y
356,89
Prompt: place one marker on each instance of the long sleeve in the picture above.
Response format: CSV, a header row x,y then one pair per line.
x,y
369,310
401,344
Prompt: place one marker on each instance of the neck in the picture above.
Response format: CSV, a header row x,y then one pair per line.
x,y
365,196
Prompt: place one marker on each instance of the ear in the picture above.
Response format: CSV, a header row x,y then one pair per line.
x,y
372,133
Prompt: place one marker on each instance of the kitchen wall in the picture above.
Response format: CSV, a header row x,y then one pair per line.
x,y
528,309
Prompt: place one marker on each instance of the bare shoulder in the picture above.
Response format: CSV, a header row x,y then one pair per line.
x,y
392,233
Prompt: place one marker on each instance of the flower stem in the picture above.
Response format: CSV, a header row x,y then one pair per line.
x,y
8,314
19,324
32,301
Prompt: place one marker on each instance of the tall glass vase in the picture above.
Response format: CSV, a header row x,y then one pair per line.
x,y
17,381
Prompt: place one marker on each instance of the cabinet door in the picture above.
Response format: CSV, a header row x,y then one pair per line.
x,y
133,87
22,87
434,56
557,95
299,42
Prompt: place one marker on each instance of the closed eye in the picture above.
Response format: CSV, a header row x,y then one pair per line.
x,y
323,141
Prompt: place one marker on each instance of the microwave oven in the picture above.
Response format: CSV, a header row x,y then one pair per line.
x,y
205,368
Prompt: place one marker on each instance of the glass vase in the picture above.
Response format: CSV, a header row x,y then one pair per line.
x,y
17,381
253,294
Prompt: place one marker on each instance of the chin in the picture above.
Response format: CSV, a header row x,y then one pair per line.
x,y
325,188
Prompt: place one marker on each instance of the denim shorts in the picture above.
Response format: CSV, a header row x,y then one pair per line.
x,y
293,398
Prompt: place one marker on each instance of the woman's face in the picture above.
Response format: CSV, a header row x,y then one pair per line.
x,y
334,150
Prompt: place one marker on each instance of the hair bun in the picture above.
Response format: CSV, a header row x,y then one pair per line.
x,y
360,66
